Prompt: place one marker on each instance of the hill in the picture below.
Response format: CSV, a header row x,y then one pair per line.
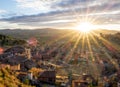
x,y
105,31
46,32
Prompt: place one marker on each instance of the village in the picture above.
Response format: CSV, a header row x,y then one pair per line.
x,y
49,67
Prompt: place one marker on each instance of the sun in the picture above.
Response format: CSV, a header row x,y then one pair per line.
x,y
85,27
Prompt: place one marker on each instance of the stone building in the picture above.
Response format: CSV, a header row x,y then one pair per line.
x,y
28,53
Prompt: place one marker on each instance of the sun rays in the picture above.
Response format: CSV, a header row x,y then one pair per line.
x,y
84,50
91,47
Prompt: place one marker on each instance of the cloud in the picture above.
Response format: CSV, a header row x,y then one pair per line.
x,y
60,13
106,13
42,6
82,6
2,11
58,16
8,25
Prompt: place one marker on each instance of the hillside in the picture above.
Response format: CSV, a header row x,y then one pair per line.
x,y
8,79
10,41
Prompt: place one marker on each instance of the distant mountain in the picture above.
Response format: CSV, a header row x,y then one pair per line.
x,y
105,31
47,32
26,34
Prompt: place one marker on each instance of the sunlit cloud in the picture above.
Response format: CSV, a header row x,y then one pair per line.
x,y
60,13
8,25
106,13
110,26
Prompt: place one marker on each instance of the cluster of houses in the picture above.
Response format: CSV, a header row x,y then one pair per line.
x,y
19,59
23,59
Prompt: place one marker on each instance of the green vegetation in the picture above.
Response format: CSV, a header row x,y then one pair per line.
x,y
8,79
10,41
26,81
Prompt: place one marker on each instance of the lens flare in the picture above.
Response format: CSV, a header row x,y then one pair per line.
x,y
85,27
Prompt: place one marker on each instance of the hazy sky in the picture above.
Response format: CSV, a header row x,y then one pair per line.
x,y
59,13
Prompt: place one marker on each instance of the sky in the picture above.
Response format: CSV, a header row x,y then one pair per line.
x,y
59,14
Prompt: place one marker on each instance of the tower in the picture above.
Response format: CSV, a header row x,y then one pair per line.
x,y
28,53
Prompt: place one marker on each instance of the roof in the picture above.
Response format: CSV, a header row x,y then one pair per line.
x,y
16,49
16,60
49,74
